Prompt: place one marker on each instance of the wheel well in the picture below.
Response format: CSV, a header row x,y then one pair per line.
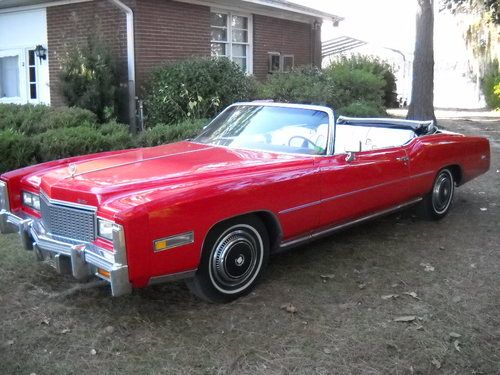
x,y
456,171
273,227
269,220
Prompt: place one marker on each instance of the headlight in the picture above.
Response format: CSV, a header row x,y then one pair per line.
x,y
31,200
105,229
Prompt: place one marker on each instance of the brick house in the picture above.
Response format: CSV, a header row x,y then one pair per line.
x,y
262,36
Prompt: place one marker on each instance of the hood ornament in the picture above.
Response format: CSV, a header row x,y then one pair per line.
x,y
72,170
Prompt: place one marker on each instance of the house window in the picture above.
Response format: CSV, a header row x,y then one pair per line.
x,y
280,63
230,37
9,77
32,74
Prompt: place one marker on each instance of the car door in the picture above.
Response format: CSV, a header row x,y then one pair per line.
x,y
366,183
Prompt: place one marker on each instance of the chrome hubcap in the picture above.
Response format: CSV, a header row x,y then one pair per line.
x,y
234,259
442,192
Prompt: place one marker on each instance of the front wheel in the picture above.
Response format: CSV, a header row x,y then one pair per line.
x,y
436,204
234,257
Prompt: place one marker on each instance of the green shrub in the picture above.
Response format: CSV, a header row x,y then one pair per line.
x,y
338,86
116,135
195,88
15,116
16,150
361,109
81,140
162,134
348,86
376,66
36,119
491,86
89,78
306,85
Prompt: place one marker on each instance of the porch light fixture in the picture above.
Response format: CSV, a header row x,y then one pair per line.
x,y
41,52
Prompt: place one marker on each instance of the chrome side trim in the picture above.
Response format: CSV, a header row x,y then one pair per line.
x,y
172,277
310,204
302,206
336,228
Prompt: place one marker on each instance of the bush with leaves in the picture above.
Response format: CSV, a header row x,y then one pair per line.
x,y
162,134
490,85
340,87
89,78
348,86
16,150
376,66
35,119
195,88
305,84
81,140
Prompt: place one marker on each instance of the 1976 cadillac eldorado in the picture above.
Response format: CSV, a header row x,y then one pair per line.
x,y
259,178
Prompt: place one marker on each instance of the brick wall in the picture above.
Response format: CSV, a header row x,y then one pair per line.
x,y
168,31
71,24
283,36
164,31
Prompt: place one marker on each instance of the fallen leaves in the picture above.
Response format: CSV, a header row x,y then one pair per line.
x,y
456,344
436,363
288,307
455,335
484,209
411,294
405,318
427,267
390,296
327,277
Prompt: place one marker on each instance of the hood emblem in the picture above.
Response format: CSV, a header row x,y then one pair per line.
x,y
72,169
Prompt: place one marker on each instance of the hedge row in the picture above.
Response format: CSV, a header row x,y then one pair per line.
x,y
358,86
35,134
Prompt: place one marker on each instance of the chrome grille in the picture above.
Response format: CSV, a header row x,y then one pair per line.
x,y
70,222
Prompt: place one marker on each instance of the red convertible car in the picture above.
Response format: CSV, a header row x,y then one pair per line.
x,y
259,178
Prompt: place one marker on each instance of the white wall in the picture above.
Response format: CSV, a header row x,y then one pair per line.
x,y
20,32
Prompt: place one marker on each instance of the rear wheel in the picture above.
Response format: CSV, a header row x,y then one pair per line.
x,y
234,257
436,204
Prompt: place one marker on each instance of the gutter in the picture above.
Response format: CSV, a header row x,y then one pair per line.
x,y
130,62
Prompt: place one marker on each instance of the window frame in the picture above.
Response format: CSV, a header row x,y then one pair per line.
x,y
282,57
229,40
22,88
35,66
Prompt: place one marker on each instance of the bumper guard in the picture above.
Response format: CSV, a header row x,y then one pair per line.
x,y
68,256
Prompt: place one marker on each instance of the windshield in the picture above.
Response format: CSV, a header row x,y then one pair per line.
x,y
269,128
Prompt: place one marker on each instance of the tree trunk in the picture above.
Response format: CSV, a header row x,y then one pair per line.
x,y
422,91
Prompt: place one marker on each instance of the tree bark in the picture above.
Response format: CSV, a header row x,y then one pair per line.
x,y
422,91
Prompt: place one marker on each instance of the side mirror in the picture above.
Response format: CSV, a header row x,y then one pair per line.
x,y
351,148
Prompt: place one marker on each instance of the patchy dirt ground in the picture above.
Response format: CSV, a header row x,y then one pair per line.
x,y
444,277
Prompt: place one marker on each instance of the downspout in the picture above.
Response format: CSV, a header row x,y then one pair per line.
x,y
130,62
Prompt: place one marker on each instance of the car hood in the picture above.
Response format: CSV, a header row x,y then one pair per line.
x,y
93,181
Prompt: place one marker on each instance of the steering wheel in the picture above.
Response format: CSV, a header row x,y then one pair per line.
x,y
305,142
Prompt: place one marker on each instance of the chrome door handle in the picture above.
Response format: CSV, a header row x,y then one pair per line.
x,y
403,158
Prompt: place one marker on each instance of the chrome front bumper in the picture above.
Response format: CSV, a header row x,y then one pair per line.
x,y
82,260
